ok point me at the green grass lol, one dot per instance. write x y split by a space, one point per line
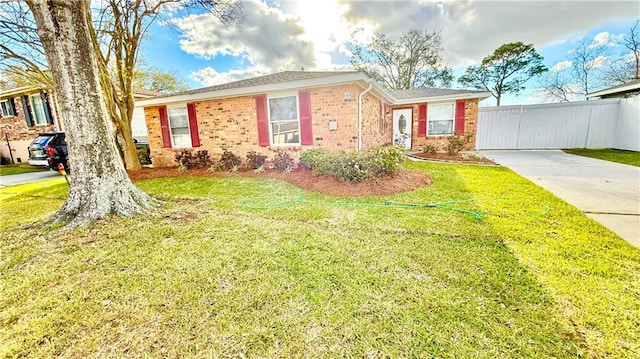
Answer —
320 277
627 157
15 169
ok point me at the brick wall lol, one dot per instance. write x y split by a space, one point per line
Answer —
19 135
470 127
230 123
376 123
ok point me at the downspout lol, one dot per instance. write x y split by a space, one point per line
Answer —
360 98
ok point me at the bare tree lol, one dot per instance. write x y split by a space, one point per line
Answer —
120 27
116 28
627 67
556 86
632 42
588 62
21 53
100 185
412 61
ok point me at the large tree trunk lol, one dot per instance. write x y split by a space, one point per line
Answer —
99 185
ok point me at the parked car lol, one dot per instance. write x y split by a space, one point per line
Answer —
48 150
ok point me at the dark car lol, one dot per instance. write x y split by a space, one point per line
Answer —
48 150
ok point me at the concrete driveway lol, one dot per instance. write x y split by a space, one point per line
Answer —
605 191
29 177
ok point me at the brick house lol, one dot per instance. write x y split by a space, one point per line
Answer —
25 112
295 110
18 127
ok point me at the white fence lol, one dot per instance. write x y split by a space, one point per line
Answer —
608 123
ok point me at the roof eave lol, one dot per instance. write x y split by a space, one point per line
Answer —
609 91
461 96
252 90
20 90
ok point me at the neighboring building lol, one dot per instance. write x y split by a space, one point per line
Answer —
629 89
25 112
295 110
18 127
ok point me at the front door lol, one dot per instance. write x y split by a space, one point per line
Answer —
402 127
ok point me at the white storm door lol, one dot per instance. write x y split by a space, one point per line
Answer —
402 124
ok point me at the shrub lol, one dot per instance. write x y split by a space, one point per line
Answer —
255 160
431 148
312 158
354 166
282 161
456 144
144 156
186 159
228 161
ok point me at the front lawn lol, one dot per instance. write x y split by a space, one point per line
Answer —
608 154
211 275
18 168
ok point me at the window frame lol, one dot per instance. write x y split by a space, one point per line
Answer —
34 110
453 118
277 96
6 105
171 135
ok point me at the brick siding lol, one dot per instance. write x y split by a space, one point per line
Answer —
470 126
230 123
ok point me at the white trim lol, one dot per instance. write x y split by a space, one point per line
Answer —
635 85
7 106
173 144
283 95
444 98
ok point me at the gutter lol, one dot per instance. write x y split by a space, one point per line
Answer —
360 98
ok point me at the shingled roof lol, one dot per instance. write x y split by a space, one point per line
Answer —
291 79
279 77
428 92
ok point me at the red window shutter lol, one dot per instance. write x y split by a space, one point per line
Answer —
193 125
422 120
306 127
459 125
164 127
263 121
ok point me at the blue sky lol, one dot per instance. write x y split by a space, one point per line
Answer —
318 35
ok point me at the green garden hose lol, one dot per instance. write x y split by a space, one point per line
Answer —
275 202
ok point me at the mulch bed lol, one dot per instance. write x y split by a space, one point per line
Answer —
404 180
457 158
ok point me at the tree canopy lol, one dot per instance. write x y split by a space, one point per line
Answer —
117 29
412 61
505 71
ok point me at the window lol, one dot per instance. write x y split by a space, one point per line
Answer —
37 106
284 120
7 108
179 127
440 119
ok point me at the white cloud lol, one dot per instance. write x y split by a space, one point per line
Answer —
289 35
208 76
601 38
599 61
561 65
474 29
267 37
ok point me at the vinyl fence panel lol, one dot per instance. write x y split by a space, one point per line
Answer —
628 131
588 124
